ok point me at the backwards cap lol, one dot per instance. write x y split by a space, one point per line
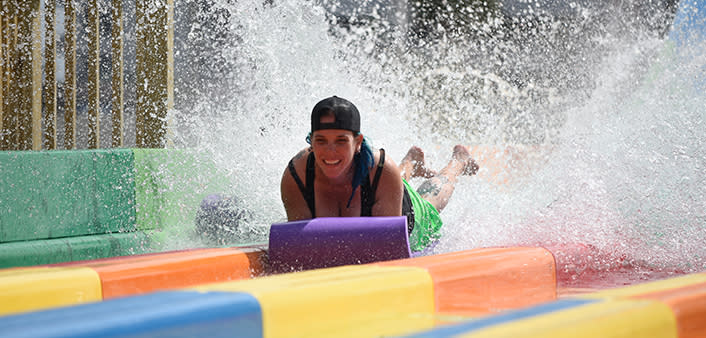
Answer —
345 115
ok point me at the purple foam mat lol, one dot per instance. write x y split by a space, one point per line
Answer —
334 241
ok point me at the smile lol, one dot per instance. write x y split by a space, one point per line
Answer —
328 162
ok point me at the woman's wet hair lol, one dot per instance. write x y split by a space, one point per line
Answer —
364 160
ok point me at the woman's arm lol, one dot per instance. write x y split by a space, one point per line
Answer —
292 199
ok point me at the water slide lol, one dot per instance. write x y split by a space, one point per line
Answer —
346 277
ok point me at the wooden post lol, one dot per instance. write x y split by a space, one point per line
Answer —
70 77
9 34
3 61
155 71
93 60
117 77
35 26
23 116
49 92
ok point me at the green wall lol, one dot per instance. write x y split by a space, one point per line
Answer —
58 206
65 193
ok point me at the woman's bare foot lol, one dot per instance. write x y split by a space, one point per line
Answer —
461 154
413 164
438 190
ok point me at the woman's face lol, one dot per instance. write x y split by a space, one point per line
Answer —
334 150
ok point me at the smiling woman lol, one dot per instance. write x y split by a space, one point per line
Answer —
339 154
333 147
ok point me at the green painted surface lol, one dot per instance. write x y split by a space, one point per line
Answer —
55 194
59 250
169 187
60 206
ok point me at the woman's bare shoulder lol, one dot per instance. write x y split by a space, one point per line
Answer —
301 156
390 164
390 168
299 162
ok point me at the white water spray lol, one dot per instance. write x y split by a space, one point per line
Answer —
608 128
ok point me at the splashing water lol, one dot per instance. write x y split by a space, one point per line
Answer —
589 130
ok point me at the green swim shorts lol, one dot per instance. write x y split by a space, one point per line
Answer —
427 222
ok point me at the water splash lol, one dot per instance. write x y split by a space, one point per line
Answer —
625 180
592 126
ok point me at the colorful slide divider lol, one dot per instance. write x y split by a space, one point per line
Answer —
673 307
498 292
397 297
41 287
160 314
481 281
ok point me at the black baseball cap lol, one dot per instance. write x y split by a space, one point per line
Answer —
346 115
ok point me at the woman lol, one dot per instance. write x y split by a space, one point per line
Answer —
340 175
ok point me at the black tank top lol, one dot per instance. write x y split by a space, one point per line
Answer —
367 191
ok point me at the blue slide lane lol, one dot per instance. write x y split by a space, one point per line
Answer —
467 327
161 314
